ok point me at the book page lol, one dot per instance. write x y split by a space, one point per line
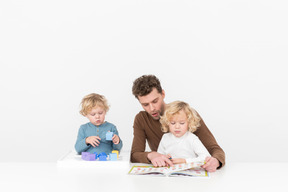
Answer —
142 170
194 172
185 166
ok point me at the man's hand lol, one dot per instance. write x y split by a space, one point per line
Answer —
93 140
211 164
159 160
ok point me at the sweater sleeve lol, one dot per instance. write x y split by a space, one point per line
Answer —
138 154
161 148
199 150
210 143
120 144
80 144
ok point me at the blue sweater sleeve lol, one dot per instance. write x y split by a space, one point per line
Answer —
80 144
120 144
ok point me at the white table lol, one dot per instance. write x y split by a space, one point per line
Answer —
235 176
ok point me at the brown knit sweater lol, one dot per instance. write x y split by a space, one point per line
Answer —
147 128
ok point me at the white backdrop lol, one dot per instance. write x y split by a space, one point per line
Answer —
226 58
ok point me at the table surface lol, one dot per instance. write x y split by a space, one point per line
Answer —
235 176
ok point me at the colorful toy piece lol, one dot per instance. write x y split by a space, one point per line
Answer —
113 157
96 155
109 136
117 152
88 156
102 156
84 155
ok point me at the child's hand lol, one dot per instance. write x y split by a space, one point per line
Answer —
93 140
178 161
115 139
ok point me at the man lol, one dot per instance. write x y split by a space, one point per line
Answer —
147 89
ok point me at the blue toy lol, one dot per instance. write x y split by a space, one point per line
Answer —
102 156
96 155
113 156
109 136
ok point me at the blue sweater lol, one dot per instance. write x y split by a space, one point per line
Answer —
89 129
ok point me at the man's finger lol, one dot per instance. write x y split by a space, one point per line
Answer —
154 163
207 164
208 159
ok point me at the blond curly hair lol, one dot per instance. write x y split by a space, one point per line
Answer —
174 108
93 100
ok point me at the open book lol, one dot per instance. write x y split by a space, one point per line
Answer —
184 169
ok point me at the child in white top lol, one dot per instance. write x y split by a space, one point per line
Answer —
180 144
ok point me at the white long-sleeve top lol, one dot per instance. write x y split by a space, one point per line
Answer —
188 147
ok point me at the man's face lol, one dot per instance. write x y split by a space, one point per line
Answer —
153 103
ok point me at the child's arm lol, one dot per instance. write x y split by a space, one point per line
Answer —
80 144
163 157
161 148
117 142
199 150
178 161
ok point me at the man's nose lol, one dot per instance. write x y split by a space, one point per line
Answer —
152 107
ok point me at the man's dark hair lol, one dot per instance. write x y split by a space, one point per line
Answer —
144 85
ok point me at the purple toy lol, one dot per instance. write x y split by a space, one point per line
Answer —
88 156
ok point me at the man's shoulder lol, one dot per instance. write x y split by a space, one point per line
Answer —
141 115
142 119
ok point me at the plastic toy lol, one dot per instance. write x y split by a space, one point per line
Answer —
109 136
113 157
96 155
102 156
88 156
117 152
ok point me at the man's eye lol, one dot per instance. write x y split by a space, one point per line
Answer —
155 101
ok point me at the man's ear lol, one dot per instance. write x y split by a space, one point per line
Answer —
163 93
